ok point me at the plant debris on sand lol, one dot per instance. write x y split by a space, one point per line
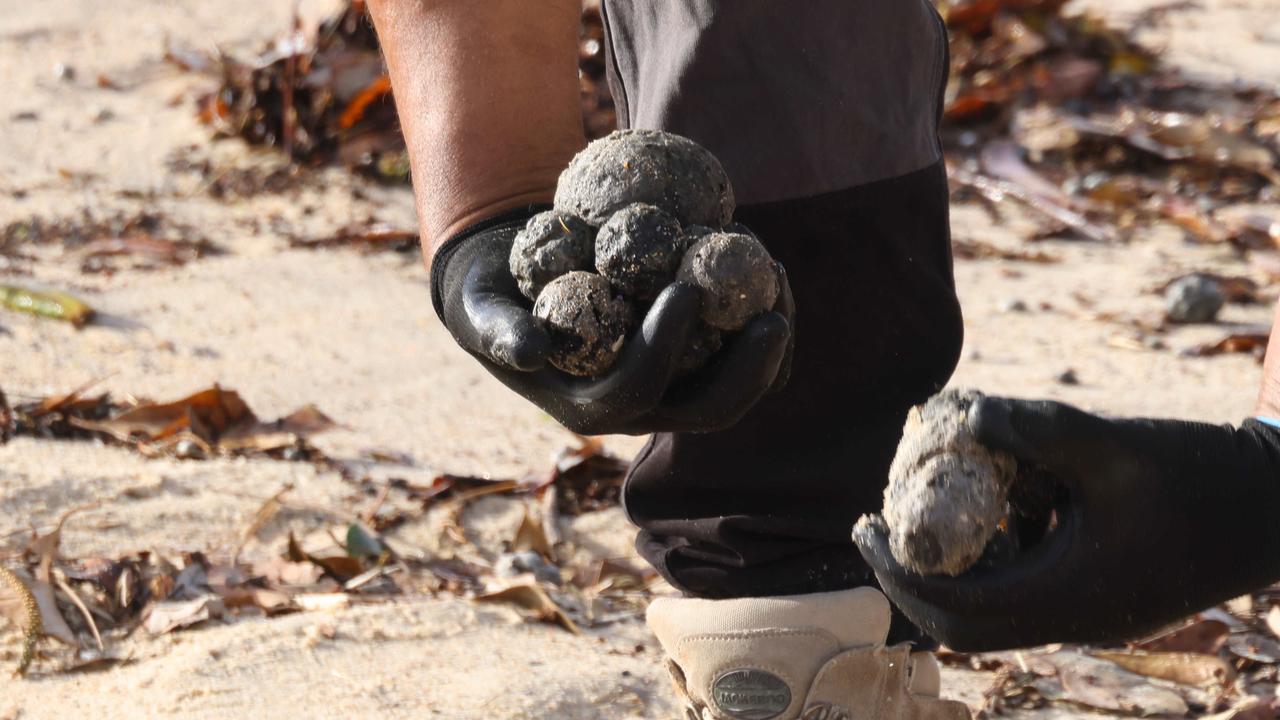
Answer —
93 605
327 98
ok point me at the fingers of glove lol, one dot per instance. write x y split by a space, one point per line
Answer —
719 395
641 375
632 388
1018 586
1051 433
504 329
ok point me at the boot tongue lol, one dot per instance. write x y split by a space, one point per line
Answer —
755 658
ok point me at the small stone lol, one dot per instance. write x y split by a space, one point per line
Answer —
1068 377
550 245
509 565
736 276
639 250
706 342
947 493
188 450
587 322
646 166
1196 298
64 72
1013 305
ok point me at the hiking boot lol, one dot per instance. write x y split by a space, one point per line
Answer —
802 657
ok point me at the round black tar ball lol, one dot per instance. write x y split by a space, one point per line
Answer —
549 246
646 166
639 249
587 322
736 276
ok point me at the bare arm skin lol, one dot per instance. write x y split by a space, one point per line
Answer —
1269 396
487 93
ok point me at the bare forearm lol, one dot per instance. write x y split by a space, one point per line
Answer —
487 94
1269 396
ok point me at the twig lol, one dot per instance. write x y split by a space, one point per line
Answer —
264 514
84 611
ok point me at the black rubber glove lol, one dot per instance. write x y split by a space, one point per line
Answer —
1161 519
479 302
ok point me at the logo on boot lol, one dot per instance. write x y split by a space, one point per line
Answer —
750 694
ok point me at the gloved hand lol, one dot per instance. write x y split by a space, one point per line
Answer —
1162 518
479 302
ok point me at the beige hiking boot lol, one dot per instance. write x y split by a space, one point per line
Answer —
804 657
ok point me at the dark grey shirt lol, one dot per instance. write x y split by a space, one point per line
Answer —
796 98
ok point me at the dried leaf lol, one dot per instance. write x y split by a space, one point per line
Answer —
55 626
339 567
1273 620
530 535
206 414
272 602
1199 636
1184 668
1102 685
530 596
170 615
212 418
1250 343
1254 646
1248 709
50 304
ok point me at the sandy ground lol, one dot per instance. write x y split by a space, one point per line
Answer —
355 334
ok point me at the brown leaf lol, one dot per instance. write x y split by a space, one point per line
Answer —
1103 685
1184 668
1198 636
530 535
172 615
339 567
530 596
282 433
206 414
272 602
213 418
1250 343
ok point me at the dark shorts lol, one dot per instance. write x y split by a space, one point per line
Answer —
825 114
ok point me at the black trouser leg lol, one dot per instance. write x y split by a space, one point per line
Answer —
825 115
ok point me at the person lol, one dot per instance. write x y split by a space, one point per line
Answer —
825 116
1162 518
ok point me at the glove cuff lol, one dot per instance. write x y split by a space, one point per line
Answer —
440 261
1268 421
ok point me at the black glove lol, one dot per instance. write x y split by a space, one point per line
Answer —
1161 519
479 302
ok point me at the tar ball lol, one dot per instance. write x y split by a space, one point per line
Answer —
646 166
947 493
549 246
1196 298
737 278
639 250
586 320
